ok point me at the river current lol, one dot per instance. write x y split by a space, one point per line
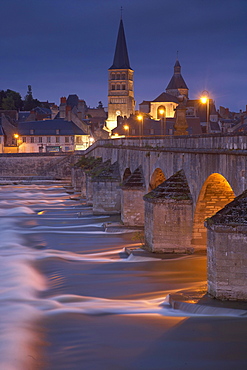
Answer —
71 298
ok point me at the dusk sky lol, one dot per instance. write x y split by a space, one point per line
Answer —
63 47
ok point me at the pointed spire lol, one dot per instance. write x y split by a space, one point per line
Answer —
177 67
177 82
121 58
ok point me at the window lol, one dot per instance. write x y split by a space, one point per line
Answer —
118 76
123 87
113 87
57 139
123 76
32 139
40 139
0 139
31 132
113 76
48 139
24 139
57 132
118 87
78 139
66 139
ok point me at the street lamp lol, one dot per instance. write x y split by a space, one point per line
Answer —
140 118
16 136
126 127
162 114
205 100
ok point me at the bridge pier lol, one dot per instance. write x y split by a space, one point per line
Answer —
168 216
106 190
132 204
227 251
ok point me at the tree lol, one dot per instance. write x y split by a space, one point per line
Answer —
29 102
10 100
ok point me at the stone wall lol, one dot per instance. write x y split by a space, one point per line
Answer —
227 262
132 207
55 165
106 197
168 226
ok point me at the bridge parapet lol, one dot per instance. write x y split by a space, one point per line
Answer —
195 142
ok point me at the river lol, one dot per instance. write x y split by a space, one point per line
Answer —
71 298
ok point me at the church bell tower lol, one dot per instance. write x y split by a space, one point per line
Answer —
120 83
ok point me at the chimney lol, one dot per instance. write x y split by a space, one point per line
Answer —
68 112
63 100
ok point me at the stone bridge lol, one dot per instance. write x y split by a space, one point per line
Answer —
212 171
215 167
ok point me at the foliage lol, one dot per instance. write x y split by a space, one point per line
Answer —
29 102
12 100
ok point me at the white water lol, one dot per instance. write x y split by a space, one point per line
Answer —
20 283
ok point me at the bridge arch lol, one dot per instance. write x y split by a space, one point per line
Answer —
156 179
215 193
126 174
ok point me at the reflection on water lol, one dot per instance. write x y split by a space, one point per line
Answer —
70 297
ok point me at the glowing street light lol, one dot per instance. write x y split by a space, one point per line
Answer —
205 100
16 137
140 118
162 114
126 127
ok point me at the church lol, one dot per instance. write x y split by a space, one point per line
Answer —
121 102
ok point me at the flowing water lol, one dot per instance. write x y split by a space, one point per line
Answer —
71 298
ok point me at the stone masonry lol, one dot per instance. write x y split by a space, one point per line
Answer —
132 205
168 216
106 190
227 251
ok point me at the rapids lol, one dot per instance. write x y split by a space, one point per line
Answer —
71 298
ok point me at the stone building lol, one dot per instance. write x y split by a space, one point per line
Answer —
120 83
166 103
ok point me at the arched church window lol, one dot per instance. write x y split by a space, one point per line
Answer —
113 87
123 76
123 87
113 76
118 87
161 112
118 76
